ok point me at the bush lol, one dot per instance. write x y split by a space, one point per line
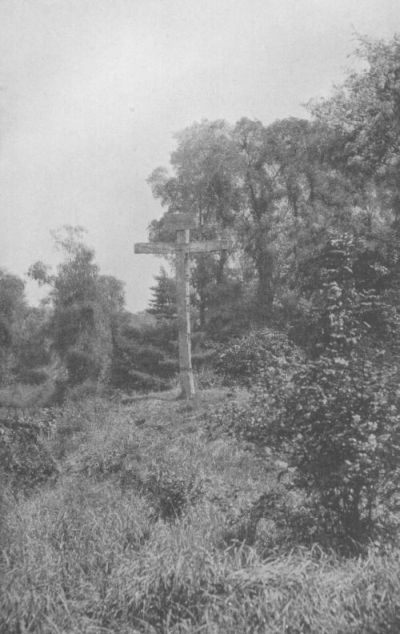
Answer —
343 424
264 361
171 489
25 460
342 417
337 423
145 358
338 415
261 355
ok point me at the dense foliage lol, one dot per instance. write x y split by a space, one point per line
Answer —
279 192
335 413
303 310
147 514
150 527
257 358
343 415
144 357
84 307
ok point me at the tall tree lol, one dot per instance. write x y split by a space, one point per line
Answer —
203 183
260 193
363 118
364 114
315 199
83 305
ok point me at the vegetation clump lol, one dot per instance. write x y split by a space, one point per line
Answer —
25 459
88 553
269 503
336 417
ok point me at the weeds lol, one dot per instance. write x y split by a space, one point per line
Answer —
151 528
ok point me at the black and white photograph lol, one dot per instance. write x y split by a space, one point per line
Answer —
200 317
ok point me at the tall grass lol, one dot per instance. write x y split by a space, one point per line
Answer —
93 553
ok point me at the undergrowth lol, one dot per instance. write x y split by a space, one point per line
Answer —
152 526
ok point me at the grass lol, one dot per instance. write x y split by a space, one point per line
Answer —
142 532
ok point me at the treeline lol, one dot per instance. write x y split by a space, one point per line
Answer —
282 191
70 335
81 337
283 194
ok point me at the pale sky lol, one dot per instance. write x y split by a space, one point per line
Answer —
92 91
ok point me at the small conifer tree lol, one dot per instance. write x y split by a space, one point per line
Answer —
163 302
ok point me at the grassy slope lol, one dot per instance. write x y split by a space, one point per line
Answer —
144 531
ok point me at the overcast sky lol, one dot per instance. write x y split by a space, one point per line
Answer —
93 90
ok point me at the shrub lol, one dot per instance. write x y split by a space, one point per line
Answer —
261 355
264 361
338 415
171 489
145 358
25 460
343 414
206 378
343 423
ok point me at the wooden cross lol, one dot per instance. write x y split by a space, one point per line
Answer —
183 248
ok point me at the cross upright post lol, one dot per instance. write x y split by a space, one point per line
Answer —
183 248
183 312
